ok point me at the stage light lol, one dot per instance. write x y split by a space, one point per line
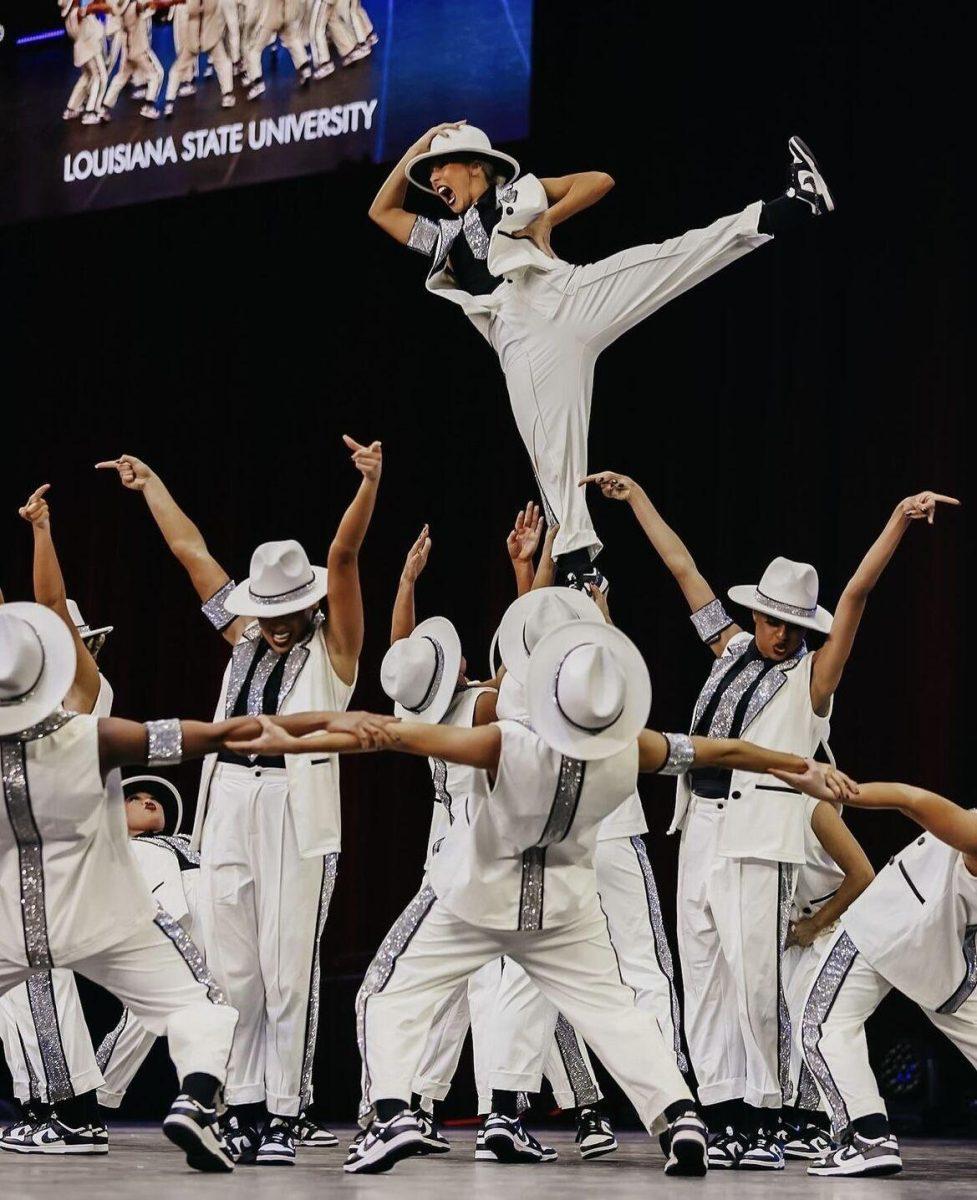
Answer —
46 36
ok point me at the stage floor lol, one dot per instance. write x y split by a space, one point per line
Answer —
143 1166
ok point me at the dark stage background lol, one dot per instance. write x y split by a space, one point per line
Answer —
782 408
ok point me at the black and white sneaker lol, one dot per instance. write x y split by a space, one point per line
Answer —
726 1149
195 1129
277 1145
52 1136
806 181
805 1142
310 1134
385 1143
583 581
688 1152
434 1140
29 1119
863 1156
354 1144
509 1141
764 1152
594 1134
242 1139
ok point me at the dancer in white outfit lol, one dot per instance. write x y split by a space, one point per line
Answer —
546 319
913 930
198 28
284 19
268 831
742 838
137 59
88 52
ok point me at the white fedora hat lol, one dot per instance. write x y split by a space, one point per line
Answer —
532 615
79 622
37 665
420 673
162 791
460 145
282 581
788 591
587 690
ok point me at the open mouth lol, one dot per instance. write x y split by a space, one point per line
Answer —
280 639
447 194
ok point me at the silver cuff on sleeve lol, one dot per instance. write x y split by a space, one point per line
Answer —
681 754
711 620
214 609
165 743
423 236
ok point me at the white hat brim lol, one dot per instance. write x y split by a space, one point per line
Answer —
57 675
547 720
505 162
746 594
441 630
511 635
159 781
243 604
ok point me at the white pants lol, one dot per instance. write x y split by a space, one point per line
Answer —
262 909
160 975
799 965
281 17
429 953
732 926
89 88
233 29
147 68
188 48
550 328
46 1040
845 992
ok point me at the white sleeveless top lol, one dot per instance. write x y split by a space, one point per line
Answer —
69 884
916 924
455 785
104 699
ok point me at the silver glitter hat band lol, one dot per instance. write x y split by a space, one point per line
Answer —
436 677
594 729
294 593
789 610
21 697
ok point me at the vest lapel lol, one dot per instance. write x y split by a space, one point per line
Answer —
770 685
720 667
241 657
297 658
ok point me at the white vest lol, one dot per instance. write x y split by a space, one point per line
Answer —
455 785
69 884
524 860
310 684
916 924
171 871
104 699
764 818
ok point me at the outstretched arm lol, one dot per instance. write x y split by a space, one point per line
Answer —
344 629
181 535
49 590
830 660
387 209
567 195
671 549
546 572
843 847
404 618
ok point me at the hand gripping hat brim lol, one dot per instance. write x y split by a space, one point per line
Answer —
57 671
460 145
164 792
242 602
512 631
551 725
444 680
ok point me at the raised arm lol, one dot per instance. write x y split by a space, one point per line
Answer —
843 847
546 571
344 629
830 660
522 544
387 209
181 535
404 618
567 195
49 590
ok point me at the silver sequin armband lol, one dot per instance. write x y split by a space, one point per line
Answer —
681 754
214 609
711 620
165 743
423 236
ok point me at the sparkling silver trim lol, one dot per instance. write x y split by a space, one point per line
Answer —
785 895
581 1083
711 620
531 889
295 593
57 720
722 718
448 230
789 610
681 754
717 673
770 685
104 1052
439 777
808 1097
17 798
663 951
44 1014
563 809
214 609
475 235
187 949
969 982
328 886
297 658
423 236
164 743
834 970
241 658
378 975
256 692
179 844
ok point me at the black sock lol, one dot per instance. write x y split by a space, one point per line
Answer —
678 1109
201 1087
755 1119
875 1125
727 1114
79 1110
390 1108
804 1117
248 1114
506 1103
784 215
37 1107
